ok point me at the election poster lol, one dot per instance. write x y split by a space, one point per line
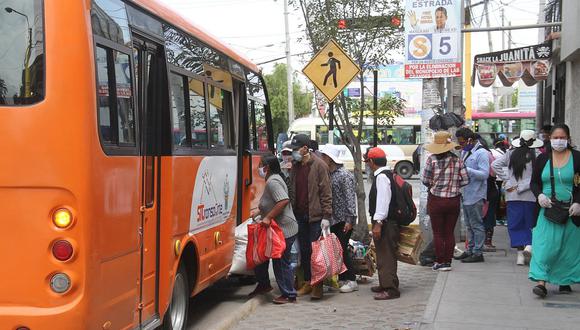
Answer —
432 38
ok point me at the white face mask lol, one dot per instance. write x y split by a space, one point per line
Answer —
297 155
262 172
558 144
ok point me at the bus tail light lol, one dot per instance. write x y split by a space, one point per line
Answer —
62 250
60 283
62 218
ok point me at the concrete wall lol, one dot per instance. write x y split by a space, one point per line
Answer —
572 108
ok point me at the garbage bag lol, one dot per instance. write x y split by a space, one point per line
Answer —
264 243
241 242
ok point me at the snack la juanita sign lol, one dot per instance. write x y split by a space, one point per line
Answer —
432 38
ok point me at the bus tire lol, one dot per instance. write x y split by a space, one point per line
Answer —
176 315
404 170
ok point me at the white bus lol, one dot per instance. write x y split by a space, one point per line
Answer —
399 140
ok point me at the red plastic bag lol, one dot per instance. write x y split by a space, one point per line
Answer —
326 260
264 243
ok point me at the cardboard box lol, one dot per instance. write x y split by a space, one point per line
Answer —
410 244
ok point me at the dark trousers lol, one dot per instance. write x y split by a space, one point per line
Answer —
387 256
338 230
444 213
308 232
283 271
490 218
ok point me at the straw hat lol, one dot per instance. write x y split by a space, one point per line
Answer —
528 135
441 143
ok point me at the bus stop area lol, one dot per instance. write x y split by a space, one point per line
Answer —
493 295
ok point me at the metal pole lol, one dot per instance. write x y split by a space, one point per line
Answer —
330 120
289 67
375 107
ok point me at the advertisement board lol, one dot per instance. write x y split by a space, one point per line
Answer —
432 38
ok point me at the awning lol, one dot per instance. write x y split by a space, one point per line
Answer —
530 64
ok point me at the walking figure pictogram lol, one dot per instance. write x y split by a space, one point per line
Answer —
332 62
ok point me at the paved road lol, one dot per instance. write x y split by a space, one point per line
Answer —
355 310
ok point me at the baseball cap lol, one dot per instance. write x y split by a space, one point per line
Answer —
299 141
374 153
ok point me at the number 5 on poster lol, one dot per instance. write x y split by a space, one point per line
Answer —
444 46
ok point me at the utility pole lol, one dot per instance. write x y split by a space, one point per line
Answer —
289 67
540 88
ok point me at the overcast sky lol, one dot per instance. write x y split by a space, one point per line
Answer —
255 28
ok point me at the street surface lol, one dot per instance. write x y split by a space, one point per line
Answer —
355 310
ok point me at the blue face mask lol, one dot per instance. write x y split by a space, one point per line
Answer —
468 147
297 155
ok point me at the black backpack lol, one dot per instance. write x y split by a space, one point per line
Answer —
402 208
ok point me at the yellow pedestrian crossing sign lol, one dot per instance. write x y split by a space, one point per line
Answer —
331 70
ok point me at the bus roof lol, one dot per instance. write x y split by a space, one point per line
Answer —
170 16
503 115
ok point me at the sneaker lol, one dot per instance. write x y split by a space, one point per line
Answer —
473 259
540 291
520 260
464 255
445 267
457 252
260 289
349 286
436 266
283 300
527 254
565 289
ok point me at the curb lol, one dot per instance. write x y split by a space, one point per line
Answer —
241 313
434 301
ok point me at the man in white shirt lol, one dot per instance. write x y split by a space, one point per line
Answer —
385 232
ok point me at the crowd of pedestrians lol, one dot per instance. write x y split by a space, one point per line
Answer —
310 192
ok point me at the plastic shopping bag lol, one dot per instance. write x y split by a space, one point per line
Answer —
241 242
326 260
264 243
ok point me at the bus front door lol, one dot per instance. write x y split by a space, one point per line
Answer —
149 65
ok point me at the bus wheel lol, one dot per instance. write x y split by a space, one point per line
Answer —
176 315
404 170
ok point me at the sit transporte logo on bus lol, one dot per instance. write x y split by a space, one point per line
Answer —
213 192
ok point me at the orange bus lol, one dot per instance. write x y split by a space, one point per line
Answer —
130 141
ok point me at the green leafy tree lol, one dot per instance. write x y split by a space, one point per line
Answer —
278 94
369 45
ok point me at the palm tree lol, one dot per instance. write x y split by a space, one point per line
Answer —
3 91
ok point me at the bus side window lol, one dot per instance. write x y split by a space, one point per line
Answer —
220 118
197 114
178 113
115 98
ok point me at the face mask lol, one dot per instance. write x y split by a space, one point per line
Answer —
262 172
559 145
297 155
287 159
468 147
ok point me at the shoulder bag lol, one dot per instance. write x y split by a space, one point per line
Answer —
558 213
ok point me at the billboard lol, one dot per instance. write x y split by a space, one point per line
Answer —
432 38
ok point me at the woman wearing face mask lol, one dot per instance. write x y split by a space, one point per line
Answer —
275 204
556 246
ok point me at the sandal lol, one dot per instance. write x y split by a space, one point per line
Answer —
540 291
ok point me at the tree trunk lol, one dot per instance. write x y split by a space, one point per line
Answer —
361 231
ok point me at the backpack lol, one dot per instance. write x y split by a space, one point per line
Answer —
402 207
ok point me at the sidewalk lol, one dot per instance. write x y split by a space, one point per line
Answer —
497 294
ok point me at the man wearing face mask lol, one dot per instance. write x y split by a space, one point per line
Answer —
311 198
476 161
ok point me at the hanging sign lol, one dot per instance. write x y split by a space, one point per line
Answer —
432 38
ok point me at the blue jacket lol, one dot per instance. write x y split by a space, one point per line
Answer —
477 164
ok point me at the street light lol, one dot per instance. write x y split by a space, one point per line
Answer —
288 66
10 10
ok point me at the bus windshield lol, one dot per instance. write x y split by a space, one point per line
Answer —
21 52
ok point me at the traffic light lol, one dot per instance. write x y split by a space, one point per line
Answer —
372 22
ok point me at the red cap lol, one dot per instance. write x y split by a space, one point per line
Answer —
375 153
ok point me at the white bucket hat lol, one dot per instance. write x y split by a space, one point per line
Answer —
527 135
331 151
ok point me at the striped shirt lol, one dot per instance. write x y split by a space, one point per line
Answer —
444 177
